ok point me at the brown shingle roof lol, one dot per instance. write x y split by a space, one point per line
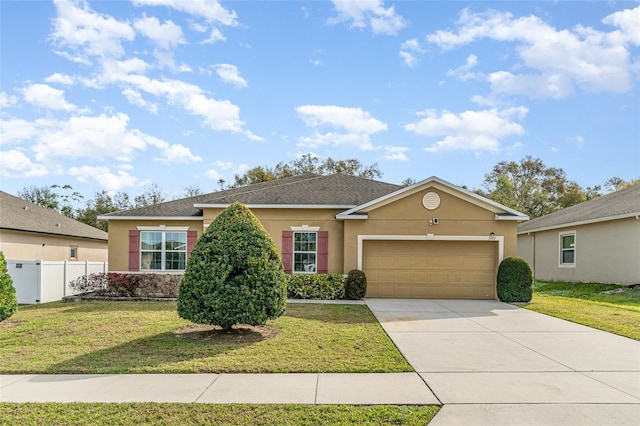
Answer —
621 203
332 190
35 218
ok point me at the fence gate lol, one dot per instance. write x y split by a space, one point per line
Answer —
39 281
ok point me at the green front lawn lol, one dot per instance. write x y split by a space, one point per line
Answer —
138 337
607 307
201 414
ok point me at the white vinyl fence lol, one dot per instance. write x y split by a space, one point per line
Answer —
39 281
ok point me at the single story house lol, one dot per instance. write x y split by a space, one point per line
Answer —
31 232
594 241
428 240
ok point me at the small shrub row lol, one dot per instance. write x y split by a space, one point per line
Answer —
129 285
312 286
8 302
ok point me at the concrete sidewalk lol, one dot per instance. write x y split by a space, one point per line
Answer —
491 363
303 388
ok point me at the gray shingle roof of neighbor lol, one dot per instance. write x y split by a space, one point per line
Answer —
20 215
309 189
623 203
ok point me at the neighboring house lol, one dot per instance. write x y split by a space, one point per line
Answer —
31 232
428 240
594 241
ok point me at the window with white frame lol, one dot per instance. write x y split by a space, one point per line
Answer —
305 250
568 249
163 250
73 253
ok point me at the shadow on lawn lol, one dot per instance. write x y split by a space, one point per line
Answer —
159 353
339 314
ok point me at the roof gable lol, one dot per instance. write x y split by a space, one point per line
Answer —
617 205
502 212
17 214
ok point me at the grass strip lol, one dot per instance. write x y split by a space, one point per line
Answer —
607 307
199 414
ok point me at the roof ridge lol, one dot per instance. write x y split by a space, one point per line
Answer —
253 187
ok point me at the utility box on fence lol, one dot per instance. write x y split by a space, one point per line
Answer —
39 281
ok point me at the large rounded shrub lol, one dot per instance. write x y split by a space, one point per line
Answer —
234 274
355 286
515 280
8 302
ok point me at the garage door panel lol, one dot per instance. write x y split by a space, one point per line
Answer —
430 269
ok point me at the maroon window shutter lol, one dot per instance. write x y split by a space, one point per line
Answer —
287 251
134 250
192 237
323 252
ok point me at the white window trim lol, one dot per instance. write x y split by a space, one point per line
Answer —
575 240
305 228
163 228
430 237
163 251
309 230
71 248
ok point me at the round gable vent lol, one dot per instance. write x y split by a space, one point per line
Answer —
431 201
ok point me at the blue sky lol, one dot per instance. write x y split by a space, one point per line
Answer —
116 95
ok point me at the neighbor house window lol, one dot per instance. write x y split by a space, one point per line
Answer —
568 249
163 250
305 250
73 253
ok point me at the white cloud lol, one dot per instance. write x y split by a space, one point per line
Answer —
397 153
356 126
223 165
7 100
88 33
475 131
111 182
555 86
177 153
409 51
15 164
211 10
463 72
627 20
554 60
577 140
57 78
230 74
45 96
135 98
368 13
165 35
213 174
215 36
15 130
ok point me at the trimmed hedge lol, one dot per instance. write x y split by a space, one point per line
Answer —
8 302
355 285
128 285
234 275
515 280
315 286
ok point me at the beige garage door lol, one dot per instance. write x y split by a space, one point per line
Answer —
431 269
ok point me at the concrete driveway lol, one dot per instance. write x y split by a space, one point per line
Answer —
491 363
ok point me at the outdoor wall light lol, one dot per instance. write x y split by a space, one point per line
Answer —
492 236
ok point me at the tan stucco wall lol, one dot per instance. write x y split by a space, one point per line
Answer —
119 238
408 216
605 252
18 245
277 220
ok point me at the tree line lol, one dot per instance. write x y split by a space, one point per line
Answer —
528 186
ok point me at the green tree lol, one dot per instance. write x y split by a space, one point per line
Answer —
306 164
234 275
616 183
8 302
54 197
191 191
530 187
101 204
152 194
